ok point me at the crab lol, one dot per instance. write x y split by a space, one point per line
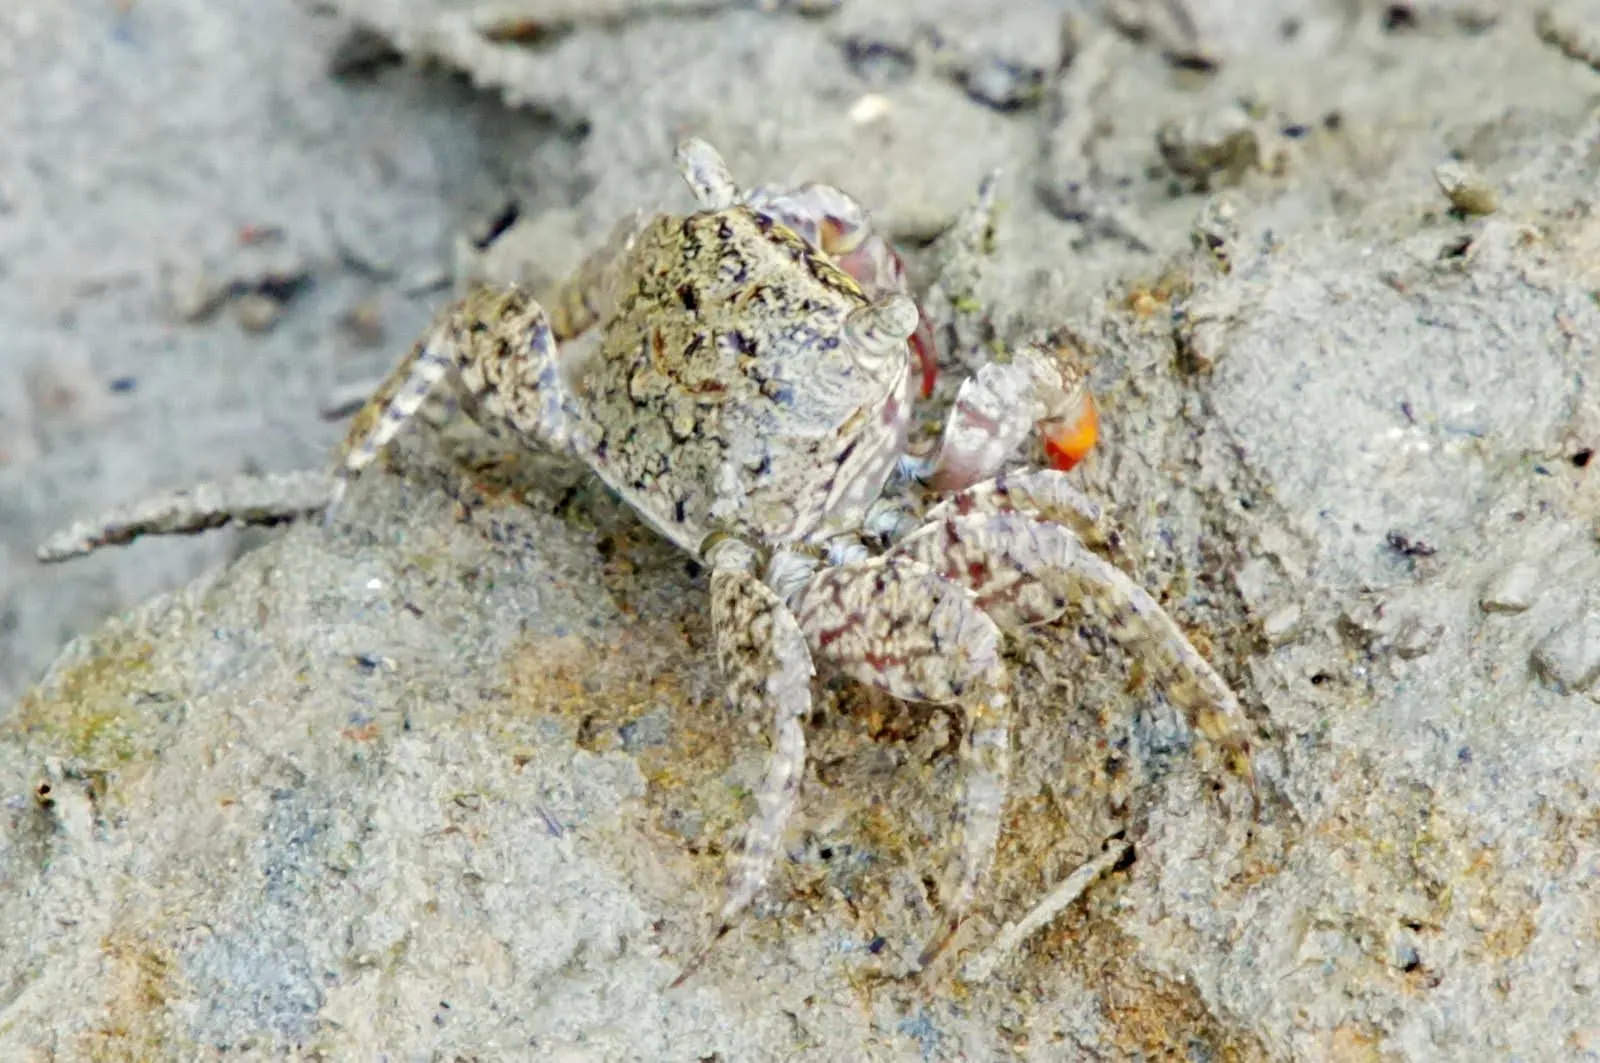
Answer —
742 377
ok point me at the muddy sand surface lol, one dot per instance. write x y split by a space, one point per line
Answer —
457 780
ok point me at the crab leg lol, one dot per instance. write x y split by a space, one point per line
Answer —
1026 572
260 500
1047 494
496 348
896 624
764 657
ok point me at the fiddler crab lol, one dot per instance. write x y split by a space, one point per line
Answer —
743 377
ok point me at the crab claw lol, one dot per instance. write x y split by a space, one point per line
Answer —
998 407
1067 441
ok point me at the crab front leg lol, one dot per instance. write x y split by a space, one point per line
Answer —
896 624
497 351
1026 571
763 656
1001 402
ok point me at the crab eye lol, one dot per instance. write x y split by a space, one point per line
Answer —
879 330
840 239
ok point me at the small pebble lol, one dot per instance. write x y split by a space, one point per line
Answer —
1002 84
1211 144
1568 658
1364 622
363 322
1281 625
195 294
1466 189
1512 591
869 108
1416 638
256 312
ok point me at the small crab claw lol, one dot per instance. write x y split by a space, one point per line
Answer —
706 175
997 408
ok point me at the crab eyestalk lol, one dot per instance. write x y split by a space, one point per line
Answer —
870 260
880 331
706 175
839 227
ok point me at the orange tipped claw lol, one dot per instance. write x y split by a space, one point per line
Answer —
1066 442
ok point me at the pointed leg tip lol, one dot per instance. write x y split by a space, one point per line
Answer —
701 955
937 945
341 483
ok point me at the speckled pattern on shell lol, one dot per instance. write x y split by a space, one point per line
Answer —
728 393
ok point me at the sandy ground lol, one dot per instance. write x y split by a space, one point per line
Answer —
467 784
147 146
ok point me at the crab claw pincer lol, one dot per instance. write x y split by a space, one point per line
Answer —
1004 401
1067 442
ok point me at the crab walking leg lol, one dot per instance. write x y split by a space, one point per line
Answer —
1025 572
260 500
584 298
768 668
1044 493
1000 405
894 623
497 349
1043 914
